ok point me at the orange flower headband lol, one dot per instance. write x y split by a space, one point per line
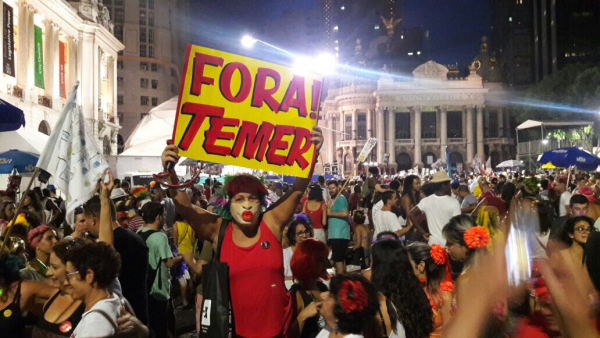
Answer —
439 255
476 237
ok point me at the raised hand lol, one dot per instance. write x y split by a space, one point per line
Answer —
170 154
317 137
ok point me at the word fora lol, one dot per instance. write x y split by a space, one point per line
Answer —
258 142
295 96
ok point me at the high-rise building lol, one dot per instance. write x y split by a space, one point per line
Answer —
155 34
535 38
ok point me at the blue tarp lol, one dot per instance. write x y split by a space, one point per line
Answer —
571 156
11 117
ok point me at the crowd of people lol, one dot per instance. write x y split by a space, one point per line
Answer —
369 256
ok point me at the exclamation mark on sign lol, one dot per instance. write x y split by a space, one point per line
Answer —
316 95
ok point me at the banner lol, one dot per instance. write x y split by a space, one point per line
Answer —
245 112
72 157
39 58
8 47
366 150
61 69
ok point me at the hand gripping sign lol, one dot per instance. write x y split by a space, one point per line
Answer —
245 112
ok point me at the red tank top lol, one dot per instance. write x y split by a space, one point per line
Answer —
316 216
261 303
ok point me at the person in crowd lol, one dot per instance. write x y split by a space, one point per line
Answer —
507 193
90 269
411 196
324 189
404 308
276 192
18 296
339 229
126 187
31 203
388 221
131 248
592 258
195 260
183 237
469 202
41 240
348 307
160 307
565 197
578 206
575 234
361 239
430 266
79 227
8 211
61 313
354 200
167 202
316 209
491 199
141 197
252 242
438 208
299 230
309 266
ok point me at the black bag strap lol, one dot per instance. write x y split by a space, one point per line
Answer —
222 231
154 272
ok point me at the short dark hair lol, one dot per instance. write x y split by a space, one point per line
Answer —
544 183
388 195
463 188
330 182
321 179
374 170
150 211
315 193
570 228
394 185
46 192
358 217
578 199
92 208
298 219
99 257
117 181
125 184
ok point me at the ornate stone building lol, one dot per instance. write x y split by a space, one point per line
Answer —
52 44
415 119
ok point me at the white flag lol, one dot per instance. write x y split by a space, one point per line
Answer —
72 157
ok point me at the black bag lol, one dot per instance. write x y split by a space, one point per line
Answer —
152 273
217 316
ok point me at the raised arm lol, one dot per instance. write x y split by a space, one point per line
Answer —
202 221
412 216
281 211
105 232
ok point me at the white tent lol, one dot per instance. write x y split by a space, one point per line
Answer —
23 139
535 124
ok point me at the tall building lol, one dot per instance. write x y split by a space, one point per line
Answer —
535 38
49 46
155 34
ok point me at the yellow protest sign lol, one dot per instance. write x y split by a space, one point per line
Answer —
241 111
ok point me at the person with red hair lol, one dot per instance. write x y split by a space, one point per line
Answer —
251 245
309 266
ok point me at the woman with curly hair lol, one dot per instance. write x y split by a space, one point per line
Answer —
411 196
17 296
430 266
309 266
575 234
348 307
404 308
90 270
299 230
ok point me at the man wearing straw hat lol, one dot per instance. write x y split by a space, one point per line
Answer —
438 208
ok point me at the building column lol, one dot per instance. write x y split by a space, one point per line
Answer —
88 57
480 148
331 138
443 131
112 84
30 91
369 123
469 132
391 146
56 103
380 135
354 121
48 59
500 122
342 127
417 153
23 45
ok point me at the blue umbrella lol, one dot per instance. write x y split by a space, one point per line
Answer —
571 156
23 161
11 117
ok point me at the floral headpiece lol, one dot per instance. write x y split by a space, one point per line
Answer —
476 237
353 296
439 255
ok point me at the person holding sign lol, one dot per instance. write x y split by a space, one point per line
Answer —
251 246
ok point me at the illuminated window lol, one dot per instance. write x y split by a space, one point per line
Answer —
335 28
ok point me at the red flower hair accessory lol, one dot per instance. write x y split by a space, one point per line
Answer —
438 254
447 286
353 296
476 237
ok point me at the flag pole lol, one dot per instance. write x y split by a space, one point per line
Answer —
14 219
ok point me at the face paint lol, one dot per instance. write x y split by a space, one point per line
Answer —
245 208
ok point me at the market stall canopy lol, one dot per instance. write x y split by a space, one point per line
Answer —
548 165
28 140
11 117
23 161
510 164
150 135
552 124
571 156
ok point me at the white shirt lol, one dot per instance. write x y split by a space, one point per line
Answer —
376 212
325 334
565 197
472 186
287 258
388 221
94 324
439 210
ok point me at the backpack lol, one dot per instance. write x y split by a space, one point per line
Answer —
152 273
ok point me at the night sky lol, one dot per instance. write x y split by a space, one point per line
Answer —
455 26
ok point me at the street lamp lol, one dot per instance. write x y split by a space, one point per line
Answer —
248 41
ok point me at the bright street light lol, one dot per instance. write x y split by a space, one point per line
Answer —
248 41
545 141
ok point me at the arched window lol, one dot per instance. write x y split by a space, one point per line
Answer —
44 127
495 158
429 159
404 161
455 158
